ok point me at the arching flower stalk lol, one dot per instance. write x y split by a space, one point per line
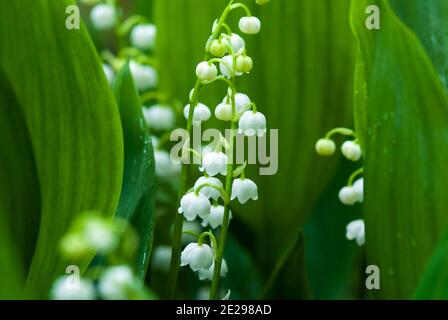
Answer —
225 59
353 192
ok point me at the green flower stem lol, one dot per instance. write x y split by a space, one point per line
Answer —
179 219
243 6
354 175
225 223
343 131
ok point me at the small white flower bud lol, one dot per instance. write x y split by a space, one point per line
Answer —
206 71
207 274
159 117
109 72
227 68
356 231
236 42
325 147
216 217
65 288
165 167
351 150
214 163
103 16
201 112
115 283
244 189
143 36
244 64
250 25
209 192
217 48
223 112
252 123
100 236
197 256
241 102
161 258
348 196
145 77
358 186
193 205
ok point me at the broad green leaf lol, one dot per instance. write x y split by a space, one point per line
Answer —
332 260
137 198
72 120
288 279
434 281
402 116
302 81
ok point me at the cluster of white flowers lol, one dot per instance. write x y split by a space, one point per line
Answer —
353 192
208 199
115 283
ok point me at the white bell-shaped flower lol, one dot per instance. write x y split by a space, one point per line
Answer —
244 189
358 186
165 167
161 258
250 25
227 68
236 42
99 235
193 205
356 231
223 112
216 217
244 64
145 77
325 147
109 72
143 36
207 274
103 16
206 71
214 163
69 288
252 123
348 195
201 112
209 192
115 283
351 150
241 101
159 117
197 256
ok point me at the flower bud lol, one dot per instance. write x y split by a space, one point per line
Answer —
193 205
223 112
358 186
236 42
252 123
351 150
103 16
227 68
244 64
244 189
145 77
217 48
201 112
356 231
206 71
348 195
143 36
325 147
159 117
214 163
250 25
197 256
